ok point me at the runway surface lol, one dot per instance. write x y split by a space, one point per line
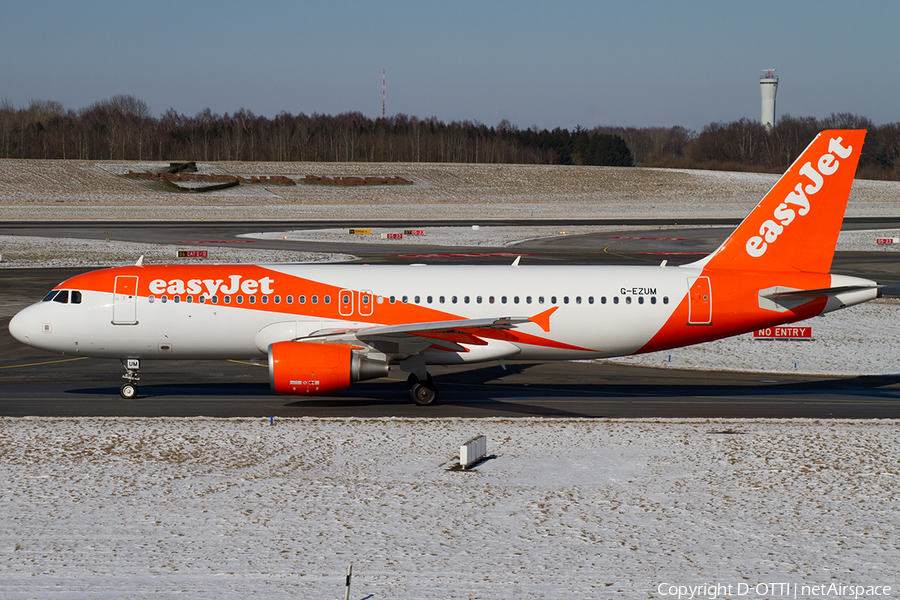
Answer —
34 383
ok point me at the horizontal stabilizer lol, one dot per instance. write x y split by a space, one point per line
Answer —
819 293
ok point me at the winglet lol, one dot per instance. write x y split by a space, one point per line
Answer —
516 262
542 320
140 261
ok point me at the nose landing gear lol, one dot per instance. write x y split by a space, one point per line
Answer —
129 390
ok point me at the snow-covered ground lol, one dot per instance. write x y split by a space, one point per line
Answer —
201 508
87 190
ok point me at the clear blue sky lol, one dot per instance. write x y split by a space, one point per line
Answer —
550 64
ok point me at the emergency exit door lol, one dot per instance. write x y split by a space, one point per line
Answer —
699 301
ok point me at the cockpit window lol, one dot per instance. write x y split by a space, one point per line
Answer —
62 296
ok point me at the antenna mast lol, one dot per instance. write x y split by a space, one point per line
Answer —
382 93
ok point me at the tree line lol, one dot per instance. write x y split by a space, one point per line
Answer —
123 128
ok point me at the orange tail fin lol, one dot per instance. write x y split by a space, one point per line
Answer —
795 227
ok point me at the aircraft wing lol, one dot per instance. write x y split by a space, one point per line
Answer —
411 338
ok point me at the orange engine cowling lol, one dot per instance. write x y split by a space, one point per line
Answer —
307 369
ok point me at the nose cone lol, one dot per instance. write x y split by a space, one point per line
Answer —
21 327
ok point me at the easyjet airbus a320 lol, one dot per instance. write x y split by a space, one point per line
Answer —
323 327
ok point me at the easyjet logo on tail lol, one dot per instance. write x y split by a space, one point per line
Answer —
797 202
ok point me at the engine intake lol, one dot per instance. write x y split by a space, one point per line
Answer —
308 369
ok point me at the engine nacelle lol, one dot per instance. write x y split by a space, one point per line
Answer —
307 369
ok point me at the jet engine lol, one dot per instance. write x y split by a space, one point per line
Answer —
308 369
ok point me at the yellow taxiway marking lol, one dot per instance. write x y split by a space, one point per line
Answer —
608 251
51 362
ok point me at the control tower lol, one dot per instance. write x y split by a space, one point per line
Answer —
768 85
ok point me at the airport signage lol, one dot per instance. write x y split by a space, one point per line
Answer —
193 253
392 236
414 231
784 332
359 231
887 240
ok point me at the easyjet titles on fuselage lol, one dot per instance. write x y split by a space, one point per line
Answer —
783 213
235 284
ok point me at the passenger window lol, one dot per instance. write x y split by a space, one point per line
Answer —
515 299
627 299
540 299
265 299
418 300
76 297
602 299
565 300
441 300
164 299
652 299
577 299
290 299
429 299
227 299
189 299
239 299
277 299
665 299
202 299
503 299
478 300
327 299
176 299
392 299
616 300
590 299
365 299
640 299
552 299
314 299
215 299
302 299
380 300
345 299
405 300
251 299
466 299
151 298
62 297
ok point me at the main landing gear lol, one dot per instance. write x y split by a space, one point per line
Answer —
422 393
129 389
